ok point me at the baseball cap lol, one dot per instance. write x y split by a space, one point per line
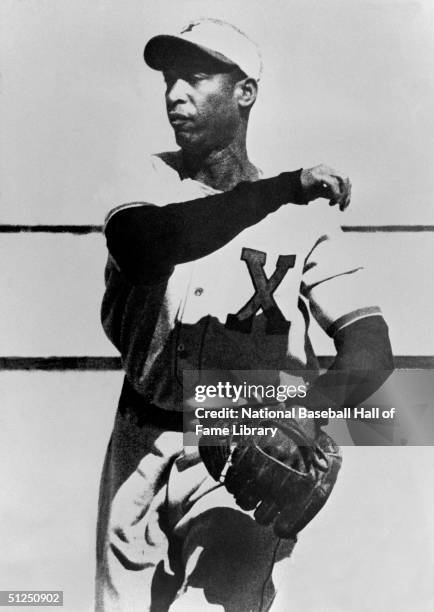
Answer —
212 37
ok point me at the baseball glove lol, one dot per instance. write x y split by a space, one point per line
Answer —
286 478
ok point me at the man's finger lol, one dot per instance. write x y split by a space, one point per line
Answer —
332 190
343 192
347 199
337 186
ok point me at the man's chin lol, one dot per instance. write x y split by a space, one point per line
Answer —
185 140
192 143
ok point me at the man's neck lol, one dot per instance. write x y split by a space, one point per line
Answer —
222 169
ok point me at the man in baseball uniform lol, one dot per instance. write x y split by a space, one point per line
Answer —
217 269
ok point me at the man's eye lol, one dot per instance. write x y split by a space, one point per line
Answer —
190 77
197 76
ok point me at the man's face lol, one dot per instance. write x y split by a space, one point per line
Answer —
201 105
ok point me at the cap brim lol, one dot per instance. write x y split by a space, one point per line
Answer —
162 51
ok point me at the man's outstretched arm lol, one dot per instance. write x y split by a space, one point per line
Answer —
147 241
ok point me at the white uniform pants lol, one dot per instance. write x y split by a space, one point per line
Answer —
170 538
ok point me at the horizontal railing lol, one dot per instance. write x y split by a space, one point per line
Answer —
7 228
95 363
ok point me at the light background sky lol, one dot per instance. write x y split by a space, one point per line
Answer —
348 83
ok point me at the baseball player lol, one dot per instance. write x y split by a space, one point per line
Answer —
216 270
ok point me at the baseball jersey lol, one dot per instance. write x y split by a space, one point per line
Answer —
246 306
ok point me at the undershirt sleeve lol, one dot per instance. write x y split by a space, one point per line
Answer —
363 363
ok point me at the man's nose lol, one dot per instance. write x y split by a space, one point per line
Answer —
176 91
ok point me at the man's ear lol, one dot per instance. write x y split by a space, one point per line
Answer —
247 90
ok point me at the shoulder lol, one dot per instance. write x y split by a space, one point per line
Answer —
162 183
163 170
158 184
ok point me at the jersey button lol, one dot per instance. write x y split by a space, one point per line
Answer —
181 350
198 291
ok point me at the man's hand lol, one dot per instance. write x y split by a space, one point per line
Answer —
324 182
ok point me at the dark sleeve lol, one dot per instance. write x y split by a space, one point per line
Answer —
363 363
146 241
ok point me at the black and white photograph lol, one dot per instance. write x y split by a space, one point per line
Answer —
216 330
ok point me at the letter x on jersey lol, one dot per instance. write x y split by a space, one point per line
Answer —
263 297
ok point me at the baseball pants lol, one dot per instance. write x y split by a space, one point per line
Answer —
170 538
